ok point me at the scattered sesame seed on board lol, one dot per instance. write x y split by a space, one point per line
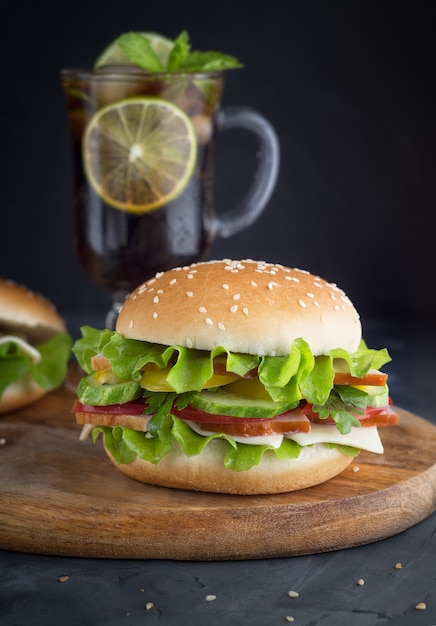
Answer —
63 579
149 606
421 606
360 582
293 594
210 597
398 566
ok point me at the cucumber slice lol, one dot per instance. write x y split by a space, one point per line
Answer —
92 392
223 402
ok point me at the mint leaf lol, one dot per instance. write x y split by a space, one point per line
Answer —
209 62
179 52
138 50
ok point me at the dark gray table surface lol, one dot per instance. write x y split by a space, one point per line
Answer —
33 590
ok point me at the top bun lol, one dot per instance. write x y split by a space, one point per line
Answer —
27 313
246 306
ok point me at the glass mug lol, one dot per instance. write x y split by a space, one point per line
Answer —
121 245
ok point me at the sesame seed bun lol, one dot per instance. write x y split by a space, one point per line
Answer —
247 306
33 318
23 311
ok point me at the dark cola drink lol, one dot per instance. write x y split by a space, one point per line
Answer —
119 249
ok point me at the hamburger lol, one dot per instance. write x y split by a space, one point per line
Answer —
237 377
34 346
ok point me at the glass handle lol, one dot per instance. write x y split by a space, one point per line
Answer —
252 205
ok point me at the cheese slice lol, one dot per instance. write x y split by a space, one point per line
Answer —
365 437
275 441
25 347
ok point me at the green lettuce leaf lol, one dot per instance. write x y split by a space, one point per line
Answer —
125 444
51 370
286 378
13 364
48 373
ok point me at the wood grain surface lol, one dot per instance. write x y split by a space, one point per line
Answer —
61 496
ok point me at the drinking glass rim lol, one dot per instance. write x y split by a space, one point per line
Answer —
134 74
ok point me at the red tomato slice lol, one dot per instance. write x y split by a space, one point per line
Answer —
136 407
289 422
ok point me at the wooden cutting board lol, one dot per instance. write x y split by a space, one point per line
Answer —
61 496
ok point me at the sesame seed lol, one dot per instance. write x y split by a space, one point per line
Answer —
189 343
398 566
156 299
245 310
332 296
131 324
421 606
159 274
233 308
310 295
356 468
302 303
208 321
253 284
337 307
293 594
151 281
360 581
210 597
221 326
189 294
323 319
190 276
173 281
202 309
272 284
316 303
225 286
155 315
289 618
236 296
149 606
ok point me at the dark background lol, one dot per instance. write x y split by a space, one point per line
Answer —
349 88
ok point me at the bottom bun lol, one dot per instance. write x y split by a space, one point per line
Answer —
206 472
20 394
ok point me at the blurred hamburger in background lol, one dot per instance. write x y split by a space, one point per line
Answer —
34 346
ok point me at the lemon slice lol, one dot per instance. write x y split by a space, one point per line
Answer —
113 55
139 153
